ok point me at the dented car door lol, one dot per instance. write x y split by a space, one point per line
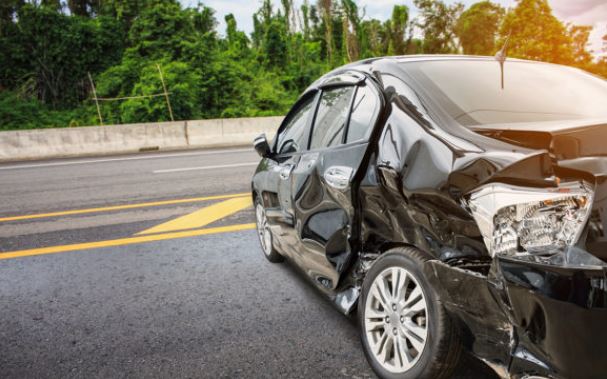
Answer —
323 185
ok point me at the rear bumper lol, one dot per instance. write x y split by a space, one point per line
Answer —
559 317
527 319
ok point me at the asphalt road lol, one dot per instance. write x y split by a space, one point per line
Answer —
105 273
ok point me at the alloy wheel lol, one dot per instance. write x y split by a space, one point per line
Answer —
395 319
263 230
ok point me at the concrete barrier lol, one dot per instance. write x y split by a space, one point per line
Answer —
131 138
230 131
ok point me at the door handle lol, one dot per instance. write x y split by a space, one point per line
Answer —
338 176
285 171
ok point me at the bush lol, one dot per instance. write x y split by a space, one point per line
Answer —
17 113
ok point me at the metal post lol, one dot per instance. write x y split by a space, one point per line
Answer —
166 94
96 100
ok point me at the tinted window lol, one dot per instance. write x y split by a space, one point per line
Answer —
470 91
364 112
292 138
331 118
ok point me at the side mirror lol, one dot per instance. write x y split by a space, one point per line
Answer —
262 146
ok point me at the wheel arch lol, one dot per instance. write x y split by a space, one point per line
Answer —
389 245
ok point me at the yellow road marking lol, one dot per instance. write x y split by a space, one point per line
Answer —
124 241
202 217
121 207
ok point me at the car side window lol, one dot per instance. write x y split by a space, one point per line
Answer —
292 138
364 112
331 117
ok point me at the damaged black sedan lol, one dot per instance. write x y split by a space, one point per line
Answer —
457 203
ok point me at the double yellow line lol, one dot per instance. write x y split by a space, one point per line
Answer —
120 207
170 230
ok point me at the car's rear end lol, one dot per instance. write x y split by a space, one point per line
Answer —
543 228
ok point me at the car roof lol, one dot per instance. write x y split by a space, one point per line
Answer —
432 57
365 65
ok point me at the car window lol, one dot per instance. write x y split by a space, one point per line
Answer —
364 111
331 117
471 91
292 138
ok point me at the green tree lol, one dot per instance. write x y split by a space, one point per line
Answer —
326 11
183 84
123 10
50 4
477 28
350 30
579 35
398 27
536 34
186 45
271 36
237 40
8 12
275 44
49 54
374 39
161 30
438 23
84 8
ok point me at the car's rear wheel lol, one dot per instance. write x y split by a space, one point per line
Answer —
265 234
405 331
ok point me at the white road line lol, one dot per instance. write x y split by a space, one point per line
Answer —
205 167
155 156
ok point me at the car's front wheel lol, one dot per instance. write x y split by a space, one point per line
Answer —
405 331
265 234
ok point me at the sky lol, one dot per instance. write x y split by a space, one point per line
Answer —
580 12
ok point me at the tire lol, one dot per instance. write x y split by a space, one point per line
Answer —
266 240
427 341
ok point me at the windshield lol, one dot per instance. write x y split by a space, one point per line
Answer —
470 91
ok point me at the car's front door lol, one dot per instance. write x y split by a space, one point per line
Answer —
291 141
322 183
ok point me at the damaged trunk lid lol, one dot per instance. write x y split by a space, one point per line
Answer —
565 140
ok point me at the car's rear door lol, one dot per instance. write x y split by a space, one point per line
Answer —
323 183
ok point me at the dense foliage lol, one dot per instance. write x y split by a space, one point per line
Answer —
48 48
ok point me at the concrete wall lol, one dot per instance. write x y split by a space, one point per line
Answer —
129 138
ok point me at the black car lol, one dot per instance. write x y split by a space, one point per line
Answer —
457 203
